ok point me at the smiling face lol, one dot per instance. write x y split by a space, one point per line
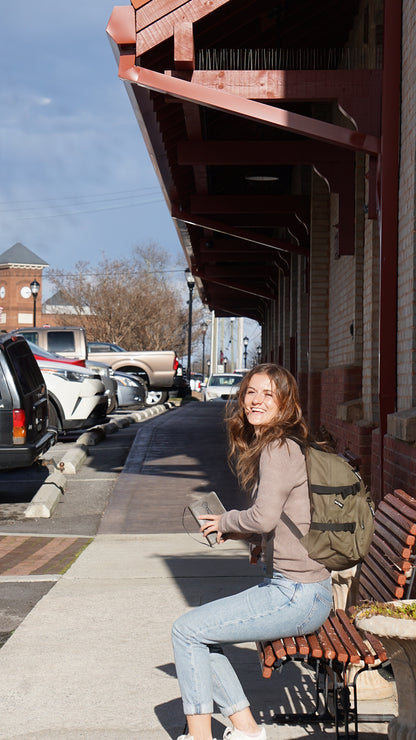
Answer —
260 402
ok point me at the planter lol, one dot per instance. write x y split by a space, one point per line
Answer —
399 638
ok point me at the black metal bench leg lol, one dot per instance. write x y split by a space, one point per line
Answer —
315 716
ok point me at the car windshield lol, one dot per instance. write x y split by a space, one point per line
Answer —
223 380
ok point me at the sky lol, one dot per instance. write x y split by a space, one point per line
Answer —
76 178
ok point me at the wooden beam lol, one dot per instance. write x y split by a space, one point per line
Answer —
252 153
249 287
250 236
248 203
162 27
358 92
184 48
250 109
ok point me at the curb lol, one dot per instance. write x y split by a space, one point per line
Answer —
50 493
48 496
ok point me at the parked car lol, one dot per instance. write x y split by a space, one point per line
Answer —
157 368
67 341
131 391
24 432
99 368
181 386
106 374
196 381
76 395
221 386
42 354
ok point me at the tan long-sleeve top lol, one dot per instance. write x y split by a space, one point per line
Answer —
282 486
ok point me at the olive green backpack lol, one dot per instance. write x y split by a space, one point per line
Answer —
342 512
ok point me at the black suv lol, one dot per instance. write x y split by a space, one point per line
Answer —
24 432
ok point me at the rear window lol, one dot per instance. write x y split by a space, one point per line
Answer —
98 347
31 336
61 341
24 367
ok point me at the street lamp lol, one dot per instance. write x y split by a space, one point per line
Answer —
245 342
204 327
258 354
35 288
191 284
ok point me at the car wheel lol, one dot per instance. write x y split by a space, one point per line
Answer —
155 397
54 418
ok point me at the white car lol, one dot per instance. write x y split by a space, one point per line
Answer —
221 386
76 395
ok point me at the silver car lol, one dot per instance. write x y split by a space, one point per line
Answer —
221 386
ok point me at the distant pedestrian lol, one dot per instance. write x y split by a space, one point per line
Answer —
297 598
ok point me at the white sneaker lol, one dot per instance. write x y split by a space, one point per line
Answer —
188 737
232 733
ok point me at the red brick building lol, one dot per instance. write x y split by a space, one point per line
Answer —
283 137
19 267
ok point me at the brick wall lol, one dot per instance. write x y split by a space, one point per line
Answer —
406 336
340 385
341 299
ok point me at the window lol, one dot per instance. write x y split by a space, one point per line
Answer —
24 367
61 341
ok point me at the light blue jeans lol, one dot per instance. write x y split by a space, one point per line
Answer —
278 607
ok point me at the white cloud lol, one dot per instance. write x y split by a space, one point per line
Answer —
43 101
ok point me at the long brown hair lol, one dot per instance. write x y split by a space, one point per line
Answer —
247 443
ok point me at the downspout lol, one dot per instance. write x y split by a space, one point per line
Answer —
388 217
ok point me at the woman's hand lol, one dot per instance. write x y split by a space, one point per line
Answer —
209 523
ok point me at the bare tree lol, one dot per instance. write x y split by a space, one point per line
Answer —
133 301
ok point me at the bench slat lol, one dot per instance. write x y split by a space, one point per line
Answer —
302 645
325 642
406 513
290 645
341 652
355 636
279 649
392 548
353 655
391 528
404 497
377 646
384 571
266 670
314 645
369 590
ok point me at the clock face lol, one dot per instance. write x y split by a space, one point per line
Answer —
2 291
25 292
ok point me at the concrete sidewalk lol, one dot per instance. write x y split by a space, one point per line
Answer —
93 659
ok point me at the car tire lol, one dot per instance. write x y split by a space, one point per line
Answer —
155 397
54 418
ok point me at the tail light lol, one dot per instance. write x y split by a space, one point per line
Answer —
175 364
19 426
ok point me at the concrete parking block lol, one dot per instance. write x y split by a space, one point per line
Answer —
48 496
73 459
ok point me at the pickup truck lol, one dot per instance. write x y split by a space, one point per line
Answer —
157 368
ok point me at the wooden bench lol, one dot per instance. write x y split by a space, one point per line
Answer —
387 573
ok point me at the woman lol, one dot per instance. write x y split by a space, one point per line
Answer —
296 599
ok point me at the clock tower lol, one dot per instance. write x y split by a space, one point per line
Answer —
19 267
